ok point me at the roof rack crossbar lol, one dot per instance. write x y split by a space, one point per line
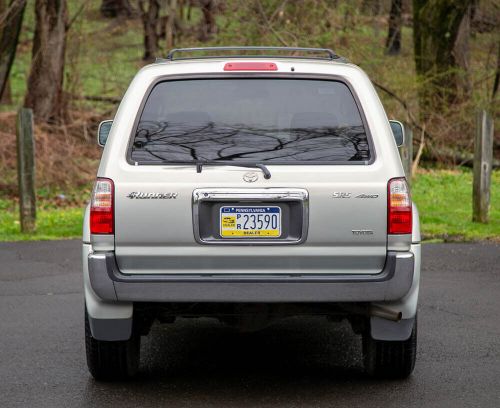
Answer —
330 54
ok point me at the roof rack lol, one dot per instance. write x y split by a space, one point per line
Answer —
328 53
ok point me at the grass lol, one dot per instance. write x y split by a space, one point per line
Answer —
59 215
443 198
51 224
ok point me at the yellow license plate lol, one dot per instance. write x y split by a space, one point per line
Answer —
250 222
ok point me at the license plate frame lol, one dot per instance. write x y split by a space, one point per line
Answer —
230 216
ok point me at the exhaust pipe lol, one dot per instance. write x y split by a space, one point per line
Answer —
385 313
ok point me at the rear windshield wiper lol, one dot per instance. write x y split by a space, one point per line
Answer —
265 170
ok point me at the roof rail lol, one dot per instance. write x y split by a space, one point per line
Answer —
329 54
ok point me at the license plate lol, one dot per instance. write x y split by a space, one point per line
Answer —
248 222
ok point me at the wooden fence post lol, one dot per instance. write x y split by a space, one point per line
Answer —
483 159
26 169
406 152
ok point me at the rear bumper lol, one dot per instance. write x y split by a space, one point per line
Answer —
391 284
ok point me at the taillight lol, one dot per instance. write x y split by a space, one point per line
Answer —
101 207
399 219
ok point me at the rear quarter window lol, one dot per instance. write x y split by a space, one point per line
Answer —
278 121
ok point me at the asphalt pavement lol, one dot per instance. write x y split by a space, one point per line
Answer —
299 362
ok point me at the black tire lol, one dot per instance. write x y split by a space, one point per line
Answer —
111 360
390 359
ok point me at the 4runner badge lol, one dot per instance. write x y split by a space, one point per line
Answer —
152 196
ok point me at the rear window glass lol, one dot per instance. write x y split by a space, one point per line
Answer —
250 120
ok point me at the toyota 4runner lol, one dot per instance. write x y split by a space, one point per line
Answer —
250 188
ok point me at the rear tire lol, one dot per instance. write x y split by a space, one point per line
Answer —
390 359
111 360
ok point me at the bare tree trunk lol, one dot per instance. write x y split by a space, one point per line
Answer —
181 6
45 83
436 26
6 97
170 24
461 53
189 10
150 15
11 19
393 42
497 76
116 8
371 7
208 23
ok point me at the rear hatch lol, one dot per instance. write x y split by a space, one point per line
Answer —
195 197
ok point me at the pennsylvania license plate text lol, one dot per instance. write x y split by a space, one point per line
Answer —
250 222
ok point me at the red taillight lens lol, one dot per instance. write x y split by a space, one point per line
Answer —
101 207
250 66
399 219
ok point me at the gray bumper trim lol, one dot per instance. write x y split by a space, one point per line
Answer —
391 284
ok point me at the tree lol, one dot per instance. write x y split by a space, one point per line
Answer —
208 23
496 82
393 42
461 51
11 19
371 7
6 96
45 82
116 8
436 27
150 15
171 21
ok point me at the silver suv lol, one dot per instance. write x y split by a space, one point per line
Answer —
250 188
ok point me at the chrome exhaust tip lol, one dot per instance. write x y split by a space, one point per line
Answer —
385 313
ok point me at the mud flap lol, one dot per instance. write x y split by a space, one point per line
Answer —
110 329
388 330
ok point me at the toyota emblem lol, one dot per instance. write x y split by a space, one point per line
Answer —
250 177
